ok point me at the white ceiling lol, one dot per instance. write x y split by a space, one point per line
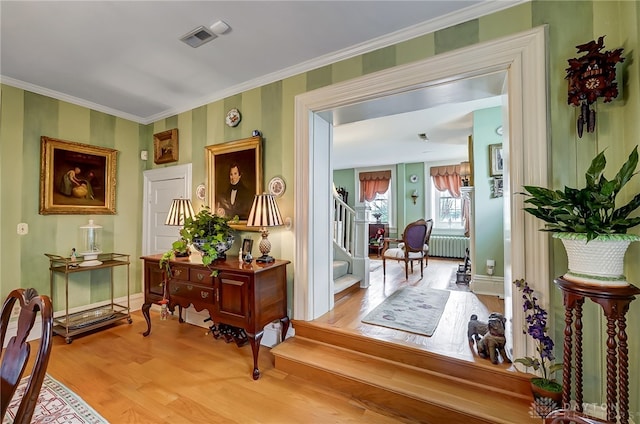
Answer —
125 58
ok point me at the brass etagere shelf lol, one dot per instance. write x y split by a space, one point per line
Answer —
71 324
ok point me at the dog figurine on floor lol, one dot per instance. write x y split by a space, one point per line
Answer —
476 329
493 341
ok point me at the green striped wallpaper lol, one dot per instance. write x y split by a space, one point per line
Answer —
26 116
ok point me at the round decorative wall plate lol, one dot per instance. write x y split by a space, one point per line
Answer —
200 191
413 178
277 186
233 117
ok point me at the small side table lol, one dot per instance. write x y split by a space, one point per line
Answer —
376 243
615 305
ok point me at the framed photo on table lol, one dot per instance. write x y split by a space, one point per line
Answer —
76 178
234 178
496 160
247 245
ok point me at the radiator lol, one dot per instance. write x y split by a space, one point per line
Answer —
448 246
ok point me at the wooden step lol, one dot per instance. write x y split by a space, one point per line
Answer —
345 282
408 391
501 377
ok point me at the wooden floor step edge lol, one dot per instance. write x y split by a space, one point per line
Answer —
446 394
311 348
409 355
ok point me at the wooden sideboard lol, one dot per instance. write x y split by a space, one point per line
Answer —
247 296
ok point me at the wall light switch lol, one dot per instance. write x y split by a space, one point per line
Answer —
144 155
23 228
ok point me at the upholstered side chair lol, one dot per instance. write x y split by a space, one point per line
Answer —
16 355
413 246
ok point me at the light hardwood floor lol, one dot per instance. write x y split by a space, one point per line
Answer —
181 375
450 337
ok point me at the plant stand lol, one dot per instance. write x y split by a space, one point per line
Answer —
615 305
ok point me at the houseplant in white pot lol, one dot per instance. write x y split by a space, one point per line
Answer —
592 229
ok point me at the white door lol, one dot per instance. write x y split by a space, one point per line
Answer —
161 186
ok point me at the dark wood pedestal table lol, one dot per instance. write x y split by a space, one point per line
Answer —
615 305
241 295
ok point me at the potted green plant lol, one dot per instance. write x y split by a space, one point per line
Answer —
208 233
547 393
589 224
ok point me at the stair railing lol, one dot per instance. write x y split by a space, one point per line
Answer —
343 224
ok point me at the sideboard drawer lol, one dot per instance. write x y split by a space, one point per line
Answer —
195 293
180 272
201 276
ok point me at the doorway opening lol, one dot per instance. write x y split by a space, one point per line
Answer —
522 56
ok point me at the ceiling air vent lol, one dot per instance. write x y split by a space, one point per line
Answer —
198 37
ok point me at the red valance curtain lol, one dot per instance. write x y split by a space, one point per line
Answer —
447 178
372 183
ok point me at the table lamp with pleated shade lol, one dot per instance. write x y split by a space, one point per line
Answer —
264 214
180 210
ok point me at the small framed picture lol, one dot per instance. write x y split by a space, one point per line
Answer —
496 161
247 245
165 146
496 187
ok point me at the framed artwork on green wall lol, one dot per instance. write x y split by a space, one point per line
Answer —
234 177
496 161
76 178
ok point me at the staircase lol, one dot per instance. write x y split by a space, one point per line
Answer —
343 249
343 281
413 384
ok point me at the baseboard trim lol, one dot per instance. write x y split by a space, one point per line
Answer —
487 285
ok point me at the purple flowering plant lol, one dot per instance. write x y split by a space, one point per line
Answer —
536 327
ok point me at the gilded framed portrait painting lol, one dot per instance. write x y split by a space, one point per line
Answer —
234 173
76 178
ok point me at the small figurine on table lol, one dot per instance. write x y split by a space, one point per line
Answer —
74 258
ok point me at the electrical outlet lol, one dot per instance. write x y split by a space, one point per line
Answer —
23 228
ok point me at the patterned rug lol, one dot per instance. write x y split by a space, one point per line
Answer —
56 404
412 309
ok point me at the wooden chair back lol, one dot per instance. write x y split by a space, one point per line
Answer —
414 236
16 355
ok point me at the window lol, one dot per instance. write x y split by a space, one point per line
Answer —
383 202
379 208
447 210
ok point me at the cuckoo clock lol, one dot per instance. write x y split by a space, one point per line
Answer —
592 76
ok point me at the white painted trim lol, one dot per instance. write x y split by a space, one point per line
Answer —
472 12
487 285
523 56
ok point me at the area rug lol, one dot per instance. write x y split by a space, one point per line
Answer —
56 404
412 309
